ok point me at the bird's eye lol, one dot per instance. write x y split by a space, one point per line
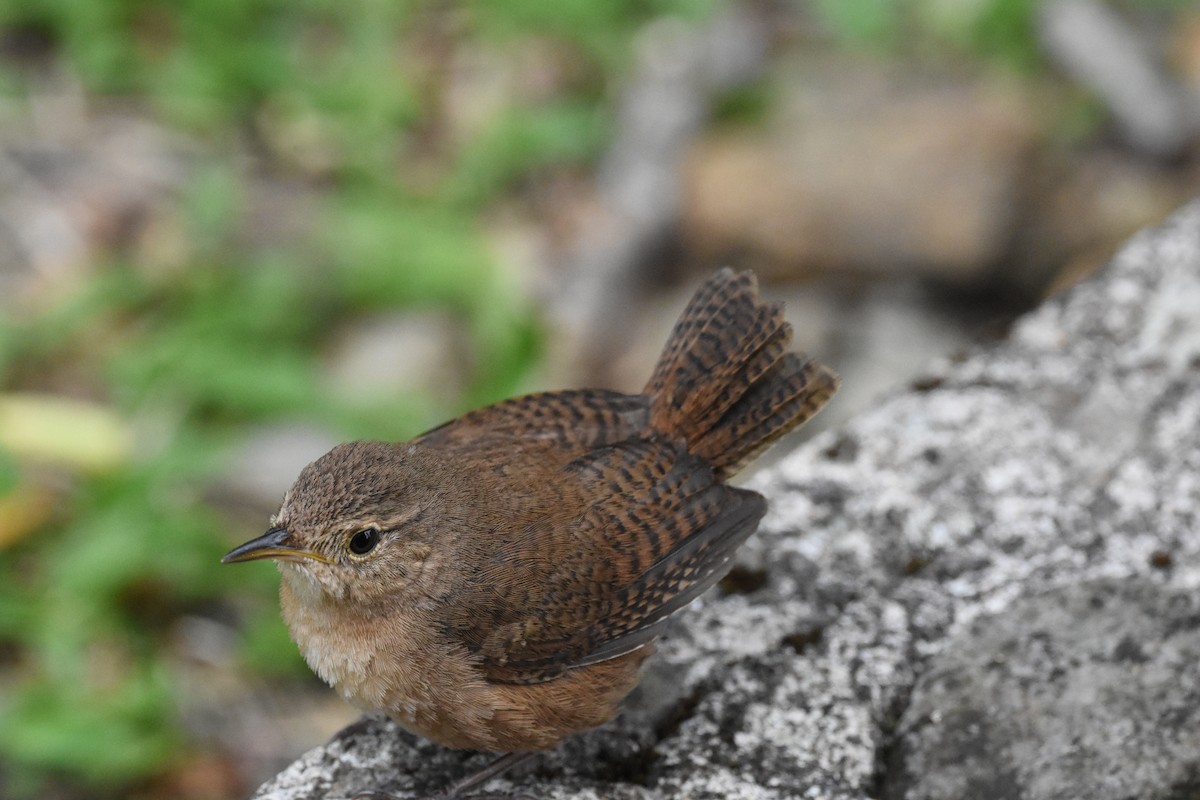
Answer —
364 541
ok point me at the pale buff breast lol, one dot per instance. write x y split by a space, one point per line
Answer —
393 664
397 665
336 646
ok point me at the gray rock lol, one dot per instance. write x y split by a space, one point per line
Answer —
1104 53
73 183
1080 676
388 355
679 70
984 587
267 460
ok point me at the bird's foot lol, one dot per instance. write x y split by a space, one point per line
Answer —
458 789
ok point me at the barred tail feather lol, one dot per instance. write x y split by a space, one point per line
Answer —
726 382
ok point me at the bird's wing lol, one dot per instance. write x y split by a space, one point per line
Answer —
653 530
576 421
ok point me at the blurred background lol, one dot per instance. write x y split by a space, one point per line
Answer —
236 232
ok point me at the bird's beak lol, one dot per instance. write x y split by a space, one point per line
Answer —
275 543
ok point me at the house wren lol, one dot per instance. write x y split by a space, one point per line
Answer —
496 583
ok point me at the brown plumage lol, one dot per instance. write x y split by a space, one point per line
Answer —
518 562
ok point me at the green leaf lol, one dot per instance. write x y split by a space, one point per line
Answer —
108 735
10 471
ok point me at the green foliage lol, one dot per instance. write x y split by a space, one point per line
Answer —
601 30
388 250
743 105
522 140
223 341
10 472
188 354
859 22
102 735
89 602
999 31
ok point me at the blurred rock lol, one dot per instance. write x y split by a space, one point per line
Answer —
1108 56
410 352
277 211
866 172
74 184
879 337
1081 208
262 721
267 460
637 201
1184 49
1022 521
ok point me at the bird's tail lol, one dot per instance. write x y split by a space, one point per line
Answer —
726 382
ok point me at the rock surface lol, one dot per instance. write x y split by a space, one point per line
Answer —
986 587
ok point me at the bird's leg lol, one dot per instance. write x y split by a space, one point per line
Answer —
455 790
497 767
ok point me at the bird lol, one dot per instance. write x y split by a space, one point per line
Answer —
498 582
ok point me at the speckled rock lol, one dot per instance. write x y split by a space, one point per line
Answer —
1091 689
986 587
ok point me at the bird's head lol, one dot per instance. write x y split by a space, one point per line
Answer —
350 527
